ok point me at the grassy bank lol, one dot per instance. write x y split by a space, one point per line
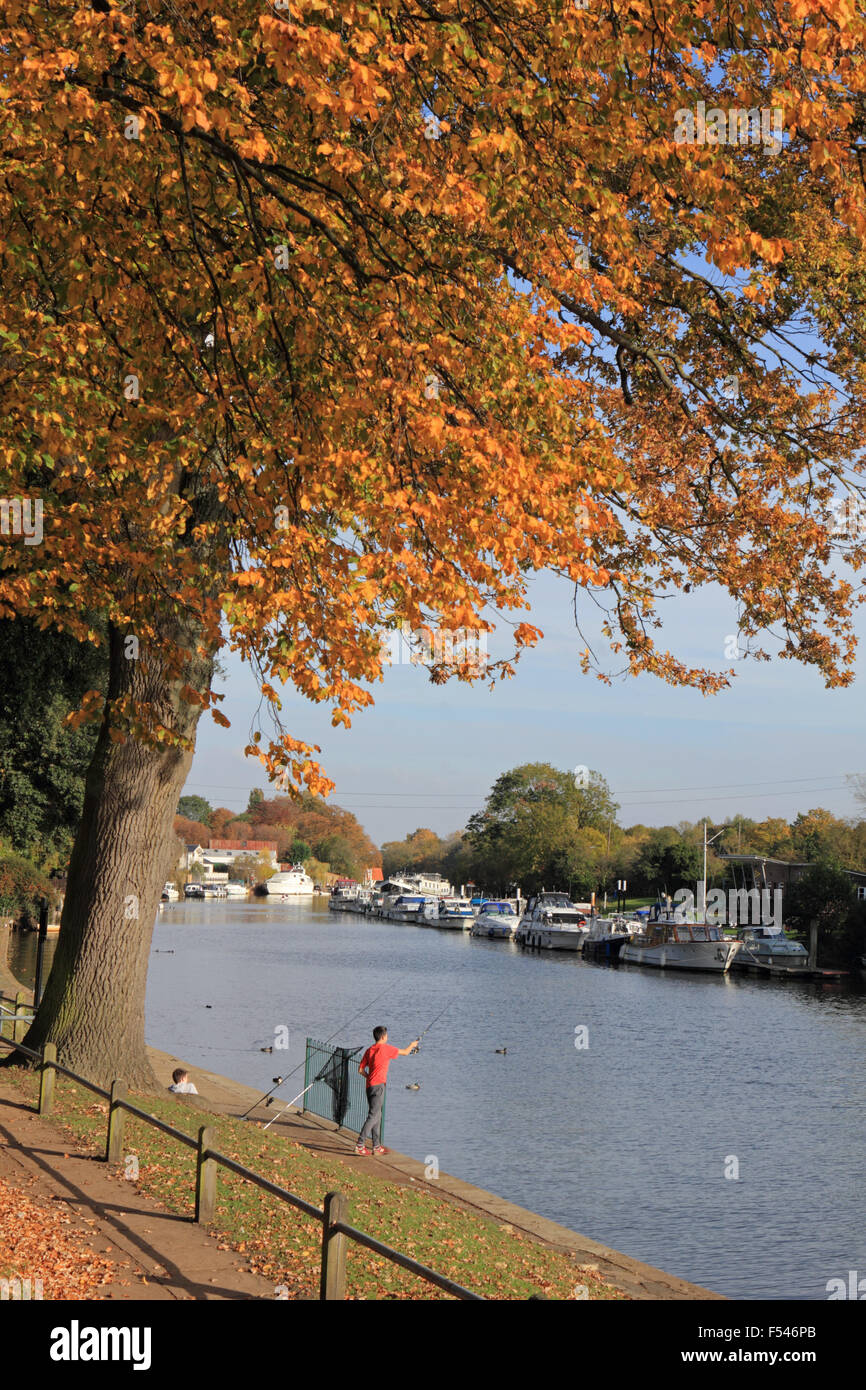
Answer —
283 1246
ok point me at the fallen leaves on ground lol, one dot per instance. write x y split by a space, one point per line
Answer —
39 1242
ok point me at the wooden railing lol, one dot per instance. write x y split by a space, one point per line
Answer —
336 1231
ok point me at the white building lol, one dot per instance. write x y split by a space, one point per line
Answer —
217 861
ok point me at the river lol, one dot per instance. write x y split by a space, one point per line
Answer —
684 1079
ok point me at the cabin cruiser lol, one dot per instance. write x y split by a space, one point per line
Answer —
766 950
409 907
552 922
344 898
385 895
608 935
236 890
496 919
193 890
349 898
454 913
169 893
673 940
290 883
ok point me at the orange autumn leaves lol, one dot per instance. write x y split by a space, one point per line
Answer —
39 1243
316 324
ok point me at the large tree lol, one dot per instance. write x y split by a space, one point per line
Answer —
319 321
541 827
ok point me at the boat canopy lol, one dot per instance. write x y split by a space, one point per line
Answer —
503 908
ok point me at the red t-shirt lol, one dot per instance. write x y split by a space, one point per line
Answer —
376 1060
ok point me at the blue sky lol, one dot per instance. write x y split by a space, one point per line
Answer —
776 743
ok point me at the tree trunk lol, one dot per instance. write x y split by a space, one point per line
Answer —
93 1005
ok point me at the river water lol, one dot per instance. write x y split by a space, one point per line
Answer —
710 1126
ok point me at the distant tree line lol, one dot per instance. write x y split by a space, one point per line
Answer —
322 836
540 829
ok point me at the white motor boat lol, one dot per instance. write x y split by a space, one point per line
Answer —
453 913
497 919
169 893
193 890
553 923
673 940
237 890
410 907
766 950
385 895
290 883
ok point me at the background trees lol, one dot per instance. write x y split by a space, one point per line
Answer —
536 829
43 762
195 808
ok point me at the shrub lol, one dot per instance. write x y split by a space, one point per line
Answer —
21 887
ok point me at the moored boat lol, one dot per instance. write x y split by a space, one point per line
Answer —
553 923
497 919
344 898
454 914
290 883
409 907
673 942
169 893
384 896
766 950
607 936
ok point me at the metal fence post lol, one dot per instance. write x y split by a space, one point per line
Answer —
333 1281
19 1008
113 1152
46 1079
205 1178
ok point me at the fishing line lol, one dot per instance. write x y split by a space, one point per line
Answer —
436 1020
353 1053
282 1082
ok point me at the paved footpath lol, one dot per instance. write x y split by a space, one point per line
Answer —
158 1254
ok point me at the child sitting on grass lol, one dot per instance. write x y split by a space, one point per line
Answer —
181 1083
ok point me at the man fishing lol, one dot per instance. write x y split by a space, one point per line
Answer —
374 1066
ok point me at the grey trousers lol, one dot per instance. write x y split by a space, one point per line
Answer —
375 1100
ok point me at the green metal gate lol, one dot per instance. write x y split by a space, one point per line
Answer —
337 1091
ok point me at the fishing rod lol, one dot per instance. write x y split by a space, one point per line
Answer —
348 1055
430 1025
284 1079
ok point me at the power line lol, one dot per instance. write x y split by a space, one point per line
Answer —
630 791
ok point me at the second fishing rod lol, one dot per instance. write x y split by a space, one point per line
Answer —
349 1056
283 1079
